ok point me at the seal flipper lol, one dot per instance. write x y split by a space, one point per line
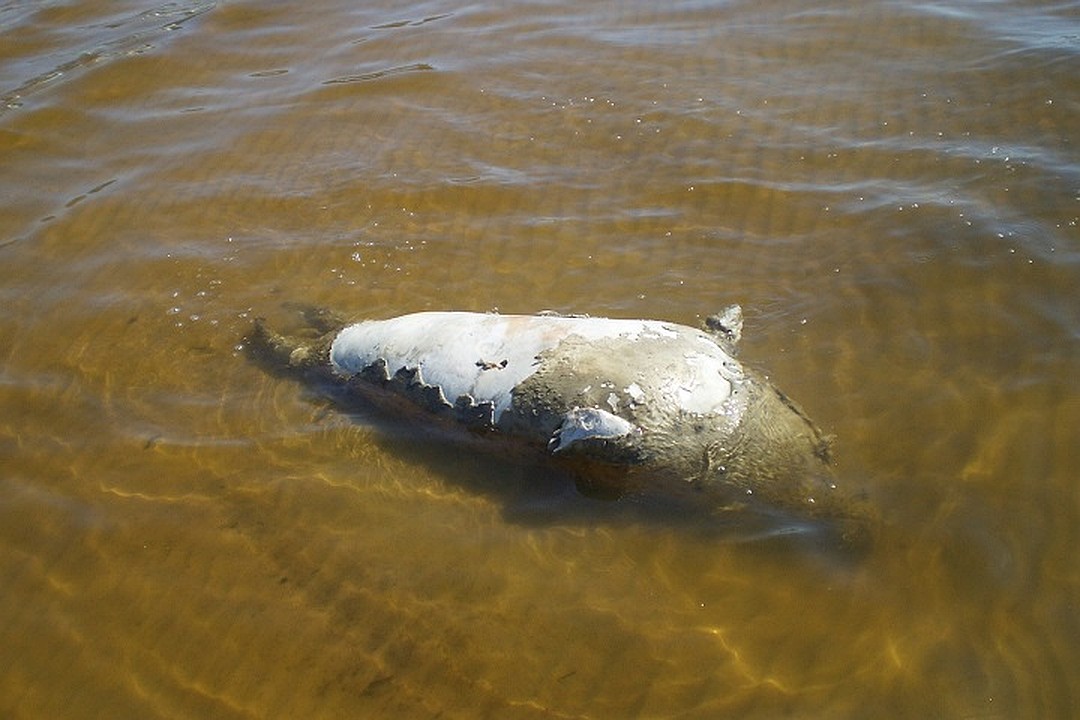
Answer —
304 348
582 426
283 353
726 326
596 448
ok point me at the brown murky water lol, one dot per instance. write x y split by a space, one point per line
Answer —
890 189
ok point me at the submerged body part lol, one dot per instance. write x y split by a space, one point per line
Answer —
626 405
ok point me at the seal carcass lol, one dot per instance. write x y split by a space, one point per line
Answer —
626 405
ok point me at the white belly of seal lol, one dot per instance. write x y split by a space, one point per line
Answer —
485 356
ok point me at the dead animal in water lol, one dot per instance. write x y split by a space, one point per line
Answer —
625 405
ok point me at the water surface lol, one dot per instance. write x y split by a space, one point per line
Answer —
891 190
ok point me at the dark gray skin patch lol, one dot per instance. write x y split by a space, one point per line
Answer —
474 415
759 450
670 447
409 384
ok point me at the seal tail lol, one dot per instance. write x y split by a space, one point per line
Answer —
294 354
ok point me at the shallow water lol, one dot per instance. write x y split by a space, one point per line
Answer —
891 190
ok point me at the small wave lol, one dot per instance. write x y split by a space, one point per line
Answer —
110 40
379 74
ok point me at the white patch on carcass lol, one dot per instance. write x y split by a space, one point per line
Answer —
705 385
635 392
456 350
588 423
